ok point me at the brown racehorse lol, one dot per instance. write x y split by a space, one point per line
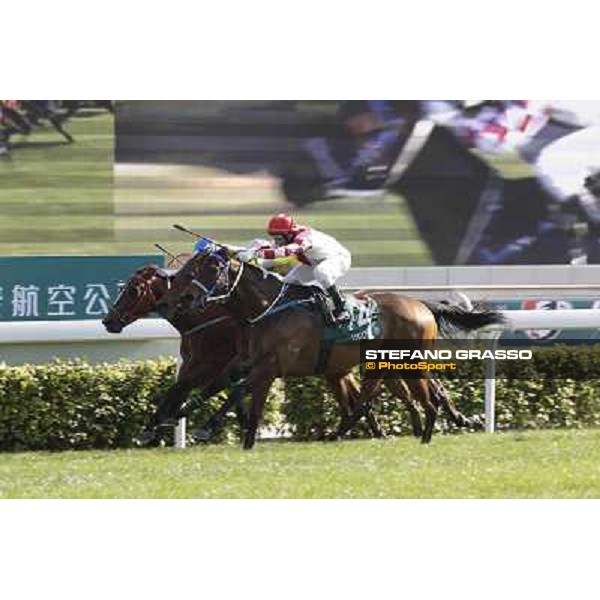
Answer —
281 343
207 349
210 344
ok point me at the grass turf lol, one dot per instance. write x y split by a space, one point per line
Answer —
57 198
542 464
235 209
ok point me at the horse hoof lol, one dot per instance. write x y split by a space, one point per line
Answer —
248 444
477 422
202 435
147 438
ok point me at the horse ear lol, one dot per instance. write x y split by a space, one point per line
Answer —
223 252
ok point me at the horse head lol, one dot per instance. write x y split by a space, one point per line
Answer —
140 295
205 278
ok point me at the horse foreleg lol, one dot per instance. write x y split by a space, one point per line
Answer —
233 400
237 398
165 413
261 380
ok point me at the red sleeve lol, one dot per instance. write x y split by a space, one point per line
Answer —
301 243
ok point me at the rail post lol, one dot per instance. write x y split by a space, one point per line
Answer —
179 433
490 382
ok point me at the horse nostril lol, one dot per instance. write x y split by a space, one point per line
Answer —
112 326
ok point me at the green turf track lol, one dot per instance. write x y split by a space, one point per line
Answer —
235 209
545 464
57 198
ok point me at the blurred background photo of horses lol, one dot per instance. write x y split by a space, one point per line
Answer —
56 177
221 167
392 183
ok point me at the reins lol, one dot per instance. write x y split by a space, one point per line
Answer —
206 325
227 295
271 306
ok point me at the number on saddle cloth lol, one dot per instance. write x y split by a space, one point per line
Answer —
364 323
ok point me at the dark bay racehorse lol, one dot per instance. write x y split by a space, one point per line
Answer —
210 347
280 343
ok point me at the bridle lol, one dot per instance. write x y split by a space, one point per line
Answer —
224 272
145 297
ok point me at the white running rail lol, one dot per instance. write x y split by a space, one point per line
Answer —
151 329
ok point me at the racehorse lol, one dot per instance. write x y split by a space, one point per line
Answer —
279 342
204 365
209 348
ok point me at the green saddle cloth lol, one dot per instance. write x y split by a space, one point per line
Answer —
364 323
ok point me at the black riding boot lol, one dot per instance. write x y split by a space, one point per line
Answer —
340 314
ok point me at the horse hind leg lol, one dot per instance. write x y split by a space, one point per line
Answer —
440 397
420 391
342 393
399 389
367 391
372 422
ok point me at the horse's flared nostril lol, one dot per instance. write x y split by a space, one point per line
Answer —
112 326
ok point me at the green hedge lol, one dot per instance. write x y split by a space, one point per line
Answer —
74 405
560 387
67 405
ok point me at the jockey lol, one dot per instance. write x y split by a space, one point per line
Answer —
321 258
560 140
280 264
359 162
562 163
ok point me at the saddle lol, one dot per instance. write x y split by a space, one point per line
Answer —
364 324
364 315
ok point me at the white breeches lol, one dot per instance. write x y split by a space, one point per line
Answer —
325 274
563 165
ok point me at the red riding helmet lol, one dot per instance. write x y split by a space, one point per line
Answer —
281 224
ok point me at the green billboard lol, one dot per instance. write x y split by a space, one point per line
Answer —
50 288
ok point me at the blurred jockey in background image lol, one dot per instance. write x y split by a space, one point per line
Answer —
560 140
11 122
21 117
356 162
314 257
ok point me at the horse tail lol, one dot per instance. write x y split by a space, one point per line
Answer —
452 319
